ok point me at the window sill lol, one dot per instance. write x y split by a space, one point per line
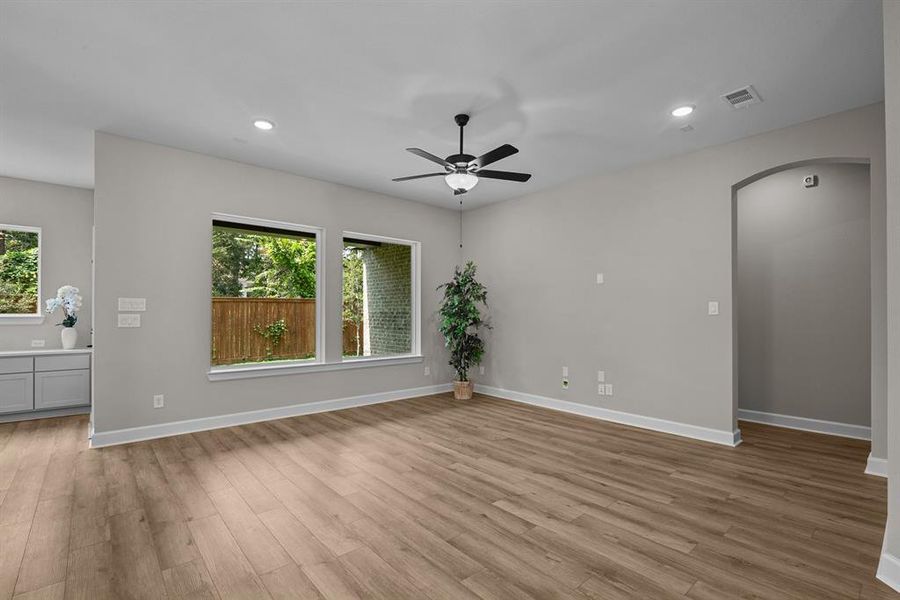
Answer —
21 319
294 368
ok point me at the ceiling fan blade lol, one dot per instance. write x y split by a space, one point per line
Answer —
495 155
505 175
430 156
418 176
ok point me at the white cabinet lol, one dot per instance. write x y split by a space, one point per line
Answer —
16 392
39 383
57 389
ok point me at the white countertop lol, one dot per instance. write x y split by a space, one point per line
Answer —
39 351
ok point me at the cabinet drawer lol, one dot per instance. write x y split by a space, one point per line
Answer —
62 362
55 389
16 364
16 392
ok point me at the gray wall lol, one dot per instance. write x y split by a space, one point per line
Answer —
65 215
152 215
892 129
662 235
803 294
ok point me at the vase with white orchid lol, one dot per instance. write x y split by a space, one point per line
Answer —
69 300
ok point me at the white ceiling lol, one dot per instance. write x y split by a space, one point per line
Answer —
578 87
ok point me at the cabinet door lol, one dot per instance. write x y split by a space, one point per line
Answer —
57 389
16 392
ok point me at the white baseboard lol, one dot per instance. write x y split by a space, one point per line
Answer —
889 570
149 432
859 432
716 436
876 466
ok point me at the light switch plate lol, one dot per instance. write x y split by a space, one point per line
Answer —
601 376
427 371
601 389
713 308
128 320
159 401
608 389
481 369
565 371
38 343
599 278
132 304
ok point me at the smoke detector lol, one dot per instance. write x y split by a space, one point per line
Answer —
742 97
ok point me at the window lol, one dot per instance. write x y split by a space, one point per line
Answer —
380 297
20 272
265 284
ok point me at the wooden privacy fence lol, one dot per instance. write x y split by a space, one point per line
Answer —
235 322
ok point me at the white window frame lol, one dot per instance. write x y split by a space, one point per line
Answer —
37 317
319 233
415 290
320 364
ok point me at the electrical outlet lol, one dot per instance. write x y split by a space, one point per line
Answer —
427 371
608 389
601 376
38 343
565 371
132 304
601 389
129 320
565 383
159 401
481 369
713 308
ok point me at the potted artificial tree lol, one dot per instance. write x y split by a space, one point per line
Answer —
460 323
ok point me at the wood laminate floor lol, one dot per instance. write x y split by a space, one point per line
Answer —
435 499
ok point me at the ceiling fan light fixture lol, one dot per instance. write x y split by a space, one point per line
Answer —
461 181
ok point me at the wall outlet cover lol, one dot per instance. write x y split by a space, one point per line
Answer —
159 401
601 389
132 304
427 371
38 343
565 371
601 376
608 389
129 320
599 278
713 308
481 369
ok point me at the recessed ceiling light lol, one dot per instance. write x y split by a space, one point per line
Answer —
683 111
264 124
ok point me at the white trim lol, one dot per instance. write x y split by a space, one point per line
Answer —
319 232
296 367
415 284
35 318
859 432
12 319
889 570
876 466
716 436
149 432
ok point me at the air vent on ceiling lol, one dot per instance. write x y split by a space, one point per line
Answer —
742 97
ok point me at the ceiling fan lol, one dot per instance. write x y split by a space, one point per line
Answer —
462 171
